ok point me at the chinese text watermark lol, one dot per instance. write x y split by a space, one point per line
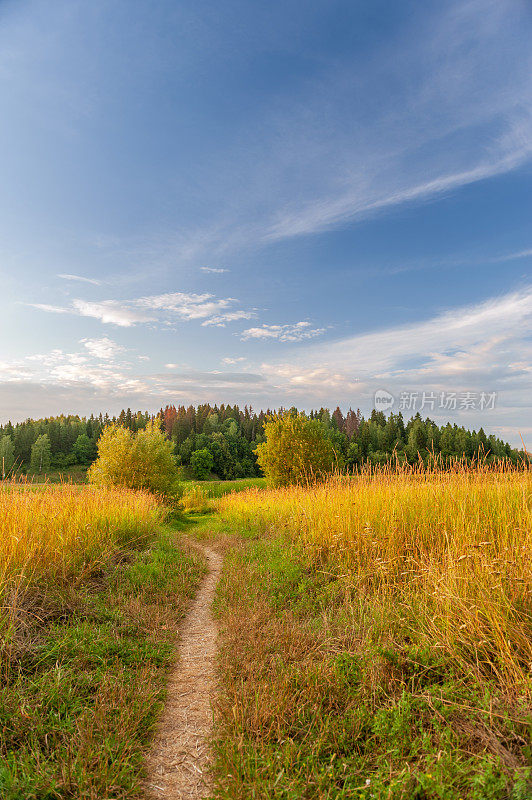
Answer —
435 401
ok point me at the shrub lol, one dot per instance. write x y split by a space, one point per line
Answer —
297 449
137 461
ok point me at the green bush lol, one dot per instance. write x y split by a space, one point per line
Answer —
297 450
143 460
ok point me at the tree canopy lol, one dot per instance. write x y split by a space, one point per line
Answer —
231 435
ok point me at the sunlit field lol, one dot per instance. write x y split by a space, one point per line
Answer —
450 554
397 607
65 533
91 588
200 496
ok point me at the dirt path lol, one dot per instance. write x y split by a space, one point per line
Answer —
178 761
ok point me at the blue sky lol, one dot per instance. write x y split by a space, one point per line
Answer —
272 203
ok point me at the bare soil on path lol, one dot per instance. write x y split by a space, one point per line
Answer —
178 761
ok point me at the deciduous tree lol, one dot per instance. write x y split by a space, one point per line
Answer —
41 454
143 460
201 462
297 449
7 455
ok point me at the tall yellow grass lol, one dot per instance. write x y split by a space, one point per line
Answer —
57 535
443 557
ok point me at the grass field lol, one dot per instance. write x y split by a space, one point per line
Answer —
375 636
92 587
75 474
200 496
221 488
377 639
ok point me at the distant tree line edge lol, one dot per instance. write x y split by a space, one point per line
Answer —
222 440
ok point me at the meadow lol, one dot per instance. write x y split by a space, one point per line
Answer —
375 635
92 585
200 496
377 638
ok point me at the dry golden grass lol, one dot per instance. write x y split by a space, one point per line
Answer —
91 587
61 535
195 499
375 639
448 554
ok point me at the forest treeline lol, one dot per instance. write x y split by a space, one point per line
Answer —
222 439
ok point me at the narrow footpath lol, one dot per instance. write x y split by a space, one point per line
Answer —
178 761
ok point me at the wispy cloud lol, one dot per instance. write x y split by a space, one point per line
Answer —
198 378
459 114
80 278
513 256
112 312
341 145
219 320
352 205
161 309
295 332
49 308
483 346
231 361
404 349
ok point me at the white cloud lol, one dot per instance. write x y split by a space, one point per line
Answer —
295 332
161 309
445 339
215 270
112 312
80 278
219 320
103 348
232 361
482 347
514 256
186 305
97 367
50 309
